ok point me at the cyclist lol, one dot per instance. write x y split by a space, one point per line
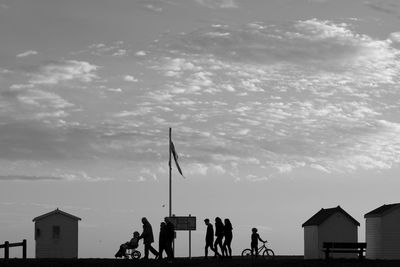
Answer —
254 241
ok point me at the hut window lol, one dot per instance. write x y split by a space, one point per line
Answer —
37 232
56 231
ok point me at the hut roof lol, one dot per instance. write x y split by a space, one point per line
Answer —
324 214
382 210
56 211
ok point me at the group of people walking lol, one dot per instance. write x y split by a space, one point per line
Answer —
223 238
166 238
221 245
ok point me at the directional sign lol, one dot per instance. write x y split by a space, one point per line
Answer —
183 223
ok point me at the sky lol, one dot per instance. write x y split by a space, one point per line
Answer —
278 108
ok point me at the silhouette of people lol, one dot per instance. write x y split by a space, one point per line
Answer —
162 240
228 238
219 233
132 244
209 238
148 238
254 241
170 236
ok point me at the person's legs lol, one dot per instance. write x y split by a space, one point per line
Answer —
169 250
161 248
155 253
146 251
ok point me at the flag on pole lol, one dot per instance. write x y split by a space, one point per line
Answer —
175 155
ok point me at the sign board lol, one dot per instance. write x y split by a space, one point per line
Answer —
183 223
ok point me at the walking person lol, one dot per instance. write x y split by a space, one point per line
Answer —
219 233
170 236
162 240
228 238
148 238
209 238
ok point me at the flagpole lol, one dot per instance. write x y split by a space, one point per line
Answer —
170 174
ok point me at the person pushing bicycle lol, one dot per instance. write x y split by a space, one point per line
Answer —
254 241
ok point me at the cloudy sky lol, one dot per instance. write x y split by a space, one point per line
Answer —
278 108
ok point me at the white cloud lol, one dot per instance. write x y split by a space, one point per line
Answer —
71 70
130 78
141 53
27 53
217 3
43 99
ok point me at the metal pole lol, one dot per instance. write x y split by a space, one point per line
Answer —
190 243
170 175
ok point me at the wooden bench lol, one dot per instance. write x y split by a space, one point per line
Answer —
344 247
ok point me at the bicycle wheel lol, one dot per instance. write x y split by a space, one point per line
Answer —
268 253
136 255
246 253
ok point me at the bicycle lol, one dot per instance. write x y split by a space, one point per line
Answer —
263 250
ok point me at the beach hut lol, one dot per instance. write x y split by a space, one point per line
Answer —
329 225
382 232
56 235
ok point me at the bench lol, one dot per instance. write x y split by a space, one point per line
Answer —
344 247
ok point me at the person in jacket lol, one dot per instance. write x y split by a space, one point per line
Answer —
219 233
170 236
228 238
148 238
209 238
162 240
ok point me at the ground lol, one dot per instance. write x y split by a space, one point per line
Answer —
195 262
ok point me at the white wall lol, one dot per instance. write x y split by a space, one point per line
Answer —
391 235
311 242
66 246
373 237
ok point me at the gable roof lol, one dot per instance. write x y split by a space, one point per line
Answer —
56 211
382 210
324 214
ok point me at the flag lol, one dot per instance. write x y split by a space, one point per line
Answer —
175 155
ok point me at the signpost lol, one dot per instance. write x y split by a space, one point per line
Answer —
185 223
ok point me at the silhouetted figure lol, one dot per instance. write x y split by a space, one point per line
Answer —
209 238
254 241
170 236
219 233
228 238
148 238
162 240
132 244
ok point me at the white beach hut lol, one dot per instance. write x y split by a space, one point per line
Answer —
56 235
329 225
382 227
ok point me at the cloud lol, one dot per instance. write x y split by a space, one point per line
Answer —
306 94
389 7
217 3
130 78
141 53
29 178
63 71
43 99
81 176
27 53
114 49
